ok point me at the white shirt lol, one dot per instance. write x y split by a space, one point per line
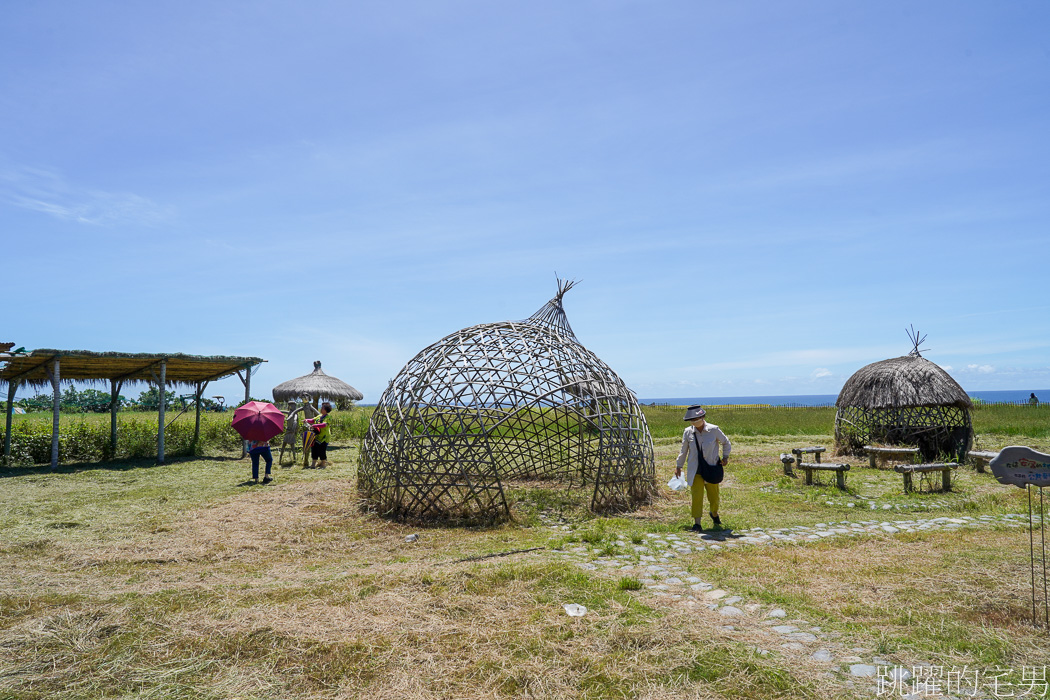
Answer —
709 438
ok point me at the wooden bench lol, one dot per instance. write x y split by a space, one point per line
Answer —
788 460
815 451
874 453
981 459
839 469
945 468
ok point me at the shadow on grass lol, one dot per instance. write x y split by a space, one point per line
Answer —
116 465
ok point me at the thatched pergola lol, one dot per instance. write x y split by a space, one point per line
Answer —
904 401
507 400
318 386
46 367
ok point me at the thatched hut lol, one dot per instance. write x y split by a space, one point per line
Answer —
508 400
904 401
44 367
319 387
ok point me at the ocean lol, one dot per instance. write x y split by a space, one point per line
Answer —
1018 396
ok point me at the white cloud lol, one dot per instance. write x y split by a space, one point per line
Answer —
820 372
47 192
981 369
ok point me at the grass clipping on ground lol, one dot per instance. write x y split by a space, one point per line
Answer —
181 581
296 593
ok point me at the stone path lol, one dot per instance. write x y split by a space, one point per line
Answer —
652 561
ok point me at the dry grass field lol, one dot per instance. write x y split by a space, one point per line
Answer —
125 579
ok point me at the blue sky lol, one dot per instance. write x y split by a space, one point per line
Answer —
756 197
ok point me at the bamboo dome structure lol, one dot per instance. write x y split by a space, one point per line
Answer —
499 401
318 386
904 401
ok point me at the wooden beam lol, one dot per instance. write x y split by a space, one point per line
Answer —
114 393
54 374
150 366
12 387
18 377
246 379
197 426
162 385
220 375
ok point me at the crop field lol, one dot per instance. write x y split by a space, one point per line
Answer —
127 579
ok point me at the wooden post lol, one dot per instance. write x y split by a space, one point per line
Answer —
54 374
872 459
840 479
908 488
809 477
12 387
162 382
114 397
197 426
246 379
946 479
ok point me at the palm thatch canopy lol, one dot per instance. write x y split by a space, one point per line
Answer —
317 385
911 380
506 400
84 365
47 367
904 400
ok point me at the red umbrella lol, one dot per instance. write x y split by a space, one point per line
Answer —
258 420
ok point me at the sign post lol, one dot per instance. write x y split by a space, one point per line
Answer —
1030 470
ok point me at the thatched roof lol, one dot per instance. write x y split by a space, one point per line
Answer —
318 385
911 380
85 365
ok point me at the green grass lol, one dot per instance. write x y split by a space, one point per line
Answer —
128 579
667 422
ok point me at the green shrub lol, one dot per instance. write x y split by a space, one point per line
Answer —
86 438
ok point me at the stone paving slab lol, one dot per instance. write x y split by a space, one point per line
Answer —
662 578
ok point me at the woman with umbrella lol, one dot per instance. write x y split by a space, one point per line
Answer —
257 422
256 449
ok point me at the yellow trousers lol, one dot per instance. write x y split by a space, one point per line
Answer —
697 491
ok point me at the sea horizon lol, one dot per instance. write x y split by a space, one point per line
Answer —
998 396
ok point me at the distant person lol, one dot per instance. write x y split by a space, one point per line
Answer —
256 449
322 433
699 451
1033 400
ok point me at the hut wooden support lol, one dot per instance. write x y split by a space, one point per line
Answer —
246 380
12 387
55 375
114 404
162 383
198 394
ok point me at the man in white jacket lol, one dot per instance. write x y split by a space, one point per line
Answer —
700 441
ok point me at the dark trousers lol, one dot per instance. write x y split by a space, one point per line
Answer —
319 450
254 453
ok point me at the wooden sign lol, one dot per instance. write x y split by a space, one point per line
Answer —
1021 466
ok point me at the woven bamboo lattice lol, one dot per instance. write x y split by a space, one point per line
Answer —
498 401
904 401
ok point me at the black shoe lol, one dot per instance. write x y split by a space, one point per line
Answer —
267 479
717 522
697 527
